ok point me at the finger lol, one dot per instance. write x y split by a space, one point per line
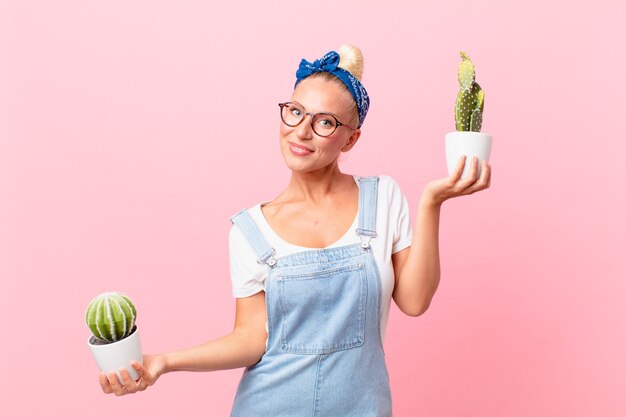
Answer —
129 385
141 370
104 383
471 177
485 176
117 388
144 376
473 174
455 175
483 181
458 170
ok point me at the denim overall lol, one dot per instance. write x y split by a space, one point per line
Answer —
324 354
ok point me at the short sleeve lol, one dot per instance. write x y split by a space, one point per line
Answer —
399 217
247 276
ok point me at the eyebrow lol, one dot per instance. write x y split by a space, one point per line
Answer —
322 112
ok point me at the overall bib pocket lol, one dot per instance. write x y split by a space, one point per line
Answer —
323 311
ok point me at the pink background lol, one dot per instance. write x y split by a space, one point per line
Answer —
131 130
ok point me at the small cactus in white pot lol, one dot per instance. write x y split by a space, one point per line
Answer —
467 139
115 341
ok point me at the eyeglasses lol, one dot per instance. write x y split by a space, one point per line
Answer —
323 124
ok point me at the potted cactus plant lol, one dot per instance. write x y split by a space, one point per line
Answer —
115 340
467 139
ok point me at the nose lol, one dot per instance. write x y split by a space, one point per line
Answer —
304 130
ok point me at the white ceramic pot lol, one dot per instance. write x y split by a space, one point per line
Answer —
113 356
470 144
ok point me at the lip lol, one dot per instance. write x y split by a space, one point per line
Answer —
299 150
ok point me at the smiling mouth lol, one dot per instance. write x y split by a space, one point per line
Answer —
299 150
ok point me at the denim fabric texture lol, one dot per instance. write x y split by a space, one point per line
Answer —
324 354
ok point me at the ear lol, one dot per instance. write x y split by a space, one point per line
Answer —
352 140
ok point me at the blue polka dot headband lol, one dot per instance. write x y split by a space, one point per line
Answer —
328 63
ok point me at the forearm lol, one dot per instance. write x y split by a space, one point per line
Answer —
418 279
235 350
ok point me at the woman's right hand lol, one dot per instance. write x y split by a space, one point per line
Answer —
244 346
153 367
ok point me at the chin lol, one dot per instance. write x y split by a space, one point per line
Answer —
303 166
298 166
295 163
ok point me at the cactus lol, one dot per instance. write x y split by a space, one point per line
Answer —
111 316
470 100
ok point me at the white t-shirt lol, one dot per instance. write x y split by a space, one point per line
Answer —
393 227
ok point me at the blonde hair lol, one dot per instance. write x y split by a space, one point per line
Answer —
351 59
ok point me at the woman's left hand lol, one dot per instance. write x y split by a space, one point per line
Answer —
442 189
153 367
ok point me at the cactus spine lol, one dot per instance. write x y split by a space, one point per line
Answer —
470 100
111 316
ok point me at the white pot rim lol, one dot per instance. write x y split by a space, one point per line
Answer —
93 338
468 132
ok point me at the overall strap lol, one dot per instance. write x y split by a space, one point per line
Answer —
368 199
254 236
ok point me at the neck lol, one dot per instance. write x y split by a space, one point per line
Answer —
316 185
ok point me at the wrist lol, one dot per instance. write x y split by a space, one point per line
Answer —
166 363
429 201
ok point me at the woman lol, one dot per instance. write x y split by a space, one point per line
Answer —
315 269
